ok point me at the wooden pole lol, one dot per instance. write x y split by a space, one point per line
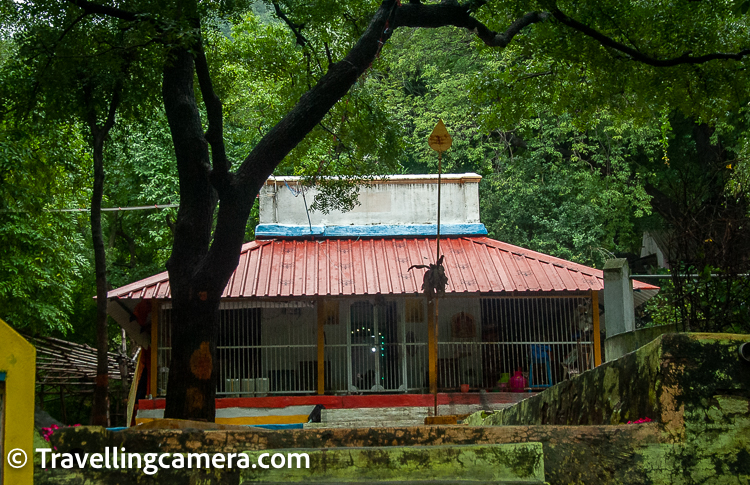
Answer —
597 333
432 346
321 346
154 369
436 318
62 404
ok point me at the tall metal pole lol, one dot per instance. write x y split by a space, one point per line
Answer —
440 173
439 140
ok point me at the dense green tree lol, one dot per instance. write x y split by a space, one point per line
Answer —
41 258
705 207
550 184
140 173
576 194
80 69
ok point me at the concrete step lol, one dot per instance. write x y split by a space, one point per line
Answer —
515 463
389 416
369 423
371 417
384 414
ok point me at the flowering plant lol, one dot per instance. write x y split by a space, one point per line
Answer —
642 420
47 432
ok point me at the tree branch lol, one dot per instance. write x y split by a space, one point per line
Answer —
431 16
113 104
296 28
68 29
313 105
131 244
280 140
215 132
95 8
635 55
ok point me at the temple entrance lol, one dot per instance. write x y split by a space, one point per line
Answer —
374 347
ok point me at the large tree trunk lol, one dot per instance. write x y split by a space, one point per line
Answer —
195 305
100 409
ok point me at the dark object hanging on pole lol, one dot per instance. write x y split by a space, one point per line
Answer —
434 281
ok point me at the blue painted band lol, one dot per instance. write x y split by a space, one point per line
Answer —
2 376
377 230
277 426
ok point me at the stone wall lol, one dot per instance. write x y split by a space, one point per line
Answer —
675 375
583 454
621 344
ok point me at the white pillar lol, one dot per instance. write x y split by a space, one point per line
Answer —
618 298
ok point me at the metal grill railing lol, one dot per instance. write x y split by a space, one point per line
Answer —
382 347
265 351
260 350
239 355
548 339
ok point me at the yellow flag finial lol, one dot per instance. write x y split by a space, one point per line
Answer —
440 140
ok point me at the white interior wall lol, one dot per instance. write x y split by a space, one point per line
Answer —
288 326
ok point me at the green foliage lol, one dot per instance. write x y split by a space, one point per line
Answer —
552 65
707 225
41 258
705 301
573 194
568 134
550 184
423 76
260 73
140 172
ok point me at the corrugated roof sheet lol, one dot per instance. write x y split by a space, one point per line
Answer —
286 268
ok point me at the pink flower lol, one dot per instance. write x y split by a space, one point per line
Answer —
47 432
642 420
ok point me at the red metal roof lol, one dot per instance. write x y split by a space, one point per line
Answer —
278 268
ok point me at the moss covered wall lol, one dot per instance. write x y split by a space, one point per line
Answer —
696 389
581 454
675 374
623 343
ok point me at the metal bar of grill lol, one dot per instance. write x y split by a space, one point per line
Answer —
164 350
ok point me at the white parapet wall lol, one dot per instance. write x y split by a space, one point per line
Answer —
396 205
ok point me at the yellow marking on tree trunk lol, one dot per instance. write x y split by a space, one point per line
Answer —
200 362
